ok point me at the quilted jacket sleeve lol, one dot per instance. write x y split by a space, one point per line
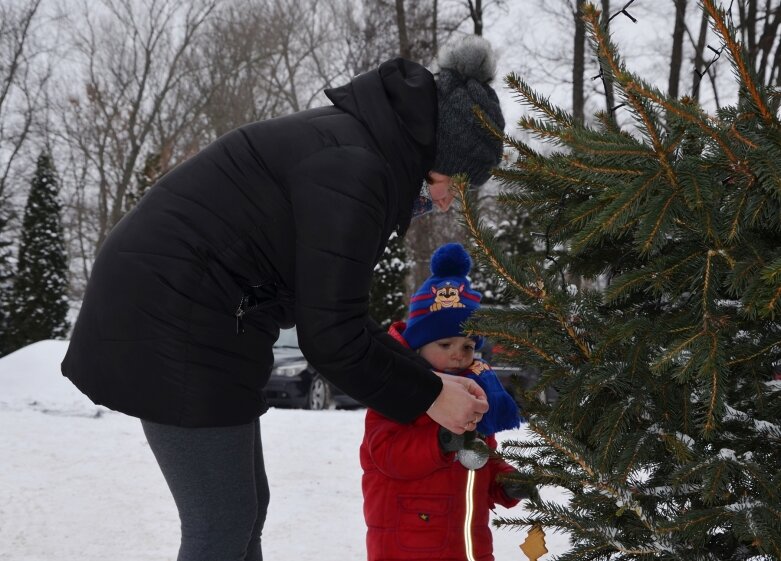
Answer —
404 451
382 336
340 198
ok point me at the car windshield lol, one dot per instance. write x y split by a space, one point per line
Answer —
288 339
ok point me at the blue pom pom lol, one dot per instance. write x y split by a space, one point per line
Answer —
451 260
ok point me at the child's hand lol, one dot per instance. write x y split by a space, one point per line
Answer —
450 442
519 489
470 451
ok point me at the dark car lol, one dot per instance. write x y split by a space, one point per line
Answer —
515 379
294 383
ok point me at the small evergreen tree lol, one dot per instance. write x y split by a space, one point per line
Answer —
667 430
387 298
6 279
39 305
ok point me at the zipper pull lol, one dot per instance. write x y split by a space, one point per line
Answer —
239 313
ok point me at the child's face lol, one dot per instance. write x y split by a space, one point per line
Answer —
451 354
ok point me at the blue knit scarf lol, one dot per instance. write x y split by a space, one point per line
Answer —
503 412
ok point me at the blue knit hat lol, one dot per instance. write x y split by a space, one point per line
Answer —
444 301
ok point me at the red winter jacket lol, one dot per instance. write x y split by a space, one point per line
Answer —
420 503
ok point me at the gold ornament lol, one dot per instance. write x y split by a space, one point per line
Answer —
534 545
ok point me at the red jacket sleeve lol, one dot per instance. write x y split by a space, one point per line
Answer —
404 451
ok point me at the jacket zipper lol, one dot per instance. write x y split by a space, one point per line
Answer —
470 507
239 313
245 307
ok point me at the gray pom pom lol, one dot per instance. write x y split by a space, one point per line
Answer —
471 56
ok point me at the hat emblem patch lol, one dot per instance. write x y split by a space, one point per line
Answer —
446 295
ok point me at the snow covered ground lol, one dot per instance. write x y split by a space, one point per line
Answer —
79 483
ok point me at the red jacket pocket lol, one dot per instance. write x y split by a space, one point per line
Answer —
424 521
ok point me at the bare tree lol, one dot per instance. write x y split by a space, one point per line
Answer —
303 38
567 63
579 63
232 74
434 26
758 25
274 57
22 83
610 98
748 33
422 26
478 9
699 55
427 27
362 28
676 56
133 57
401 25
759 31
476 13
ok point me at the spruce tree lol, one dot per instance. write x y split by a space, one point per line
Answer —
6 278
513 237
387 298
39 306
667 430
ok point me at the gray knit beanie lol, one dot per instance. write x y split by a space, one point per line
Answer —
463 144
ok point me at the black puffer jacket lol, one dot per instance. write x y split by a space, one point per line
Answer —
276 223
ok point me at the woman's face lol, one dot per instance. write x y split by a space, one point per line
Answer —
439 187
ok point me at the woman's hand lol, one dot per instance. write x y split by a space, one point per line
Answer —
460 405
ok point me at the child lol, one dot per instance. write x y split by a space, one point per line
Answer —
425 496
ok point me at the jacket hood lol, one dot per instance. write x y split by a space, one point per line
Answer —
396 330
397 103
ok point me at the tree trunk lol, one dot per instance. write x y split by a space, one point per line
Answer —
676 58
608 80
713 77
767 39
751 27
434 24
476 13
401 23
699 60
579 63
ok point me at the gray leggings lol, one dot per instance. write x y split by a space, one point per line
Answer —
218 481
